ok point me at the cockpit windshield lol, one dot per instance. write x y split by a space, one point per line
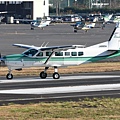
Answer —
30 52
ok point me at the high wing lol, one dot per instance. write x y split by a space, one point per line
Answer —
24 46
59 48
49 48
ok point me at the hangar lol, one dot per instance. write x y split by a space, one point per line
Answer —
31 9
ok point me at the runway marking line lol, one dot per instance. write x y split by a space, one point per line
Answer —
69 89
16 80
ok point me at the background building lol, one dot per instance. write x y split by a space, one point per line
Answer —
86 3
31 9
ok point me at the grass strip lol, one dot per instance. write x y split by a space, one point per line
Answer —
87 109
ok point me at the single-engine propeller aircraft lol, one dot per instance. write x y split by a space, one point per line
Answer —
57 56
39 23
81 25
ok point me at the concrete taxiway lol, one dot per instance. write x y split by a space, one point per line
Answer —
34 89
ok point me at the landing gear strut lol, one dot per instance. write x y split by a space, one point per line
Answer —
9 76
75 30
56 75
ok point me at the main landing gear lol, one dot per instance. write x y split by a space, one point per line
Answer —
56 75
75 30
32 28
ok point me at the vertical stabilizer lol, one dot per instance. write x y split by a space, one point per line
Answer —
107 18
114 41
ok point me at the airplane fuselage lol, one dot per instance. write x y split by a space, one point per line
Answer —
69 57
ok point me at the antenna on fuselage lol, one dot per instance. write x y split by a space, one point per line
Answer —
42 44
46 44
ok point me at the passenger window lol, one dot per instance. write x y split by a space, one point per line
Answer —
48 53
80 53
58 53
40 54
74 53
67 53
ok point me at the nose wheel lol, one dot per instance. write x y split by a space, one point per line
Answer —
56 75
9 76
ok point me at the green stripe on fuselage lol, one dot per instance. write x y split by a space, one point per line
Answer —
19 57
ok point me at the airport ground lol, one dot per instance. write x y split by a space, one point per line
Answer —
58 34
32 89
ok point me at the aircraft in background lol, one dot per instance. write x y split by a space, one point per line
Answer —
58 56
84 26
107 18
115 19
2 17
40 23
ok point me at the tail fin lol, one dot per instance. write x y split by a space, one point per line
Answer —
95 19
108 17
114 40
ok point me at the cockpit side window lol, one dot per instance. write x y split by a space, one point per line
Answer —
31 52
40 54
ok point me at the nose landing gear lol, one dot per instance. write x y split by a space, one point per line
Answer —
9 76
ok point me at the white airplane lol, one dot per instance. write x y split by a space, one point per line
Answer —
40 24
58 56
2 17
84 26
116 19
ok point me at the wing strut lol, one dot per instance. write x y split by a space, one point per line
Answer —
49 57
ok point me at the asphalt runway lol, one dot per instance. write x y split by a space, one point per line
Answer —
68 87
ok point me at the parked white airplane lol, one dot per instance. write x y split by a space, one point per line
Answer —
57 56
84 26
40 24
116 19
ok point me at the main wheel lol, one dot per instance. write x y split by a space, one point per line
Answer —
75 30
9 76
32 28
43 75
56 75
